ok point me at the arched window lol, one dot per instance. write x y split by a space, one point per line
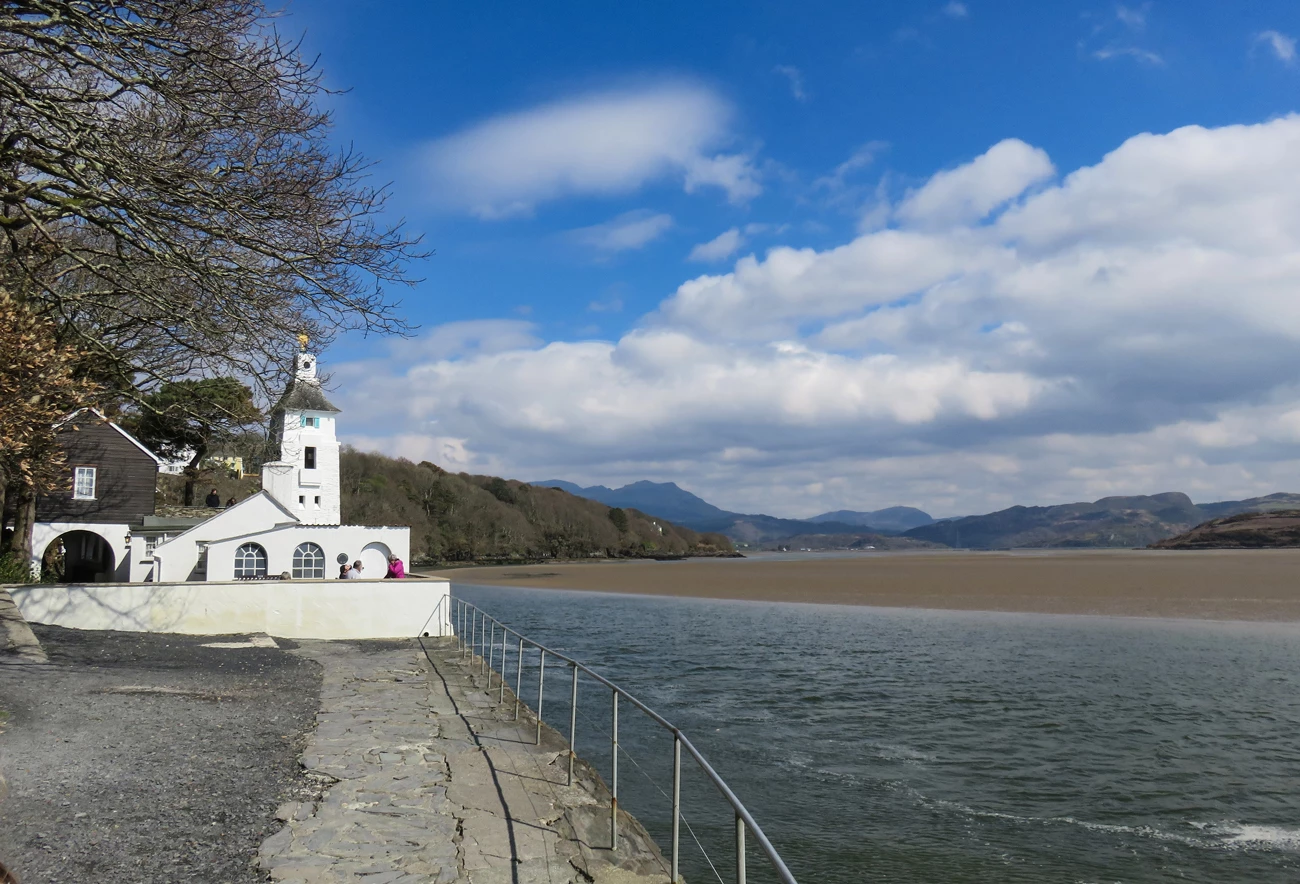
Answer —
250 561
308 562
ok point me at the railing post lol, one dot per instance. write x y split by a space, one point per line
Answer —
482 645
519 676
473 635
613 778
573 722
541 680
740 850
491 653
504 635
677 801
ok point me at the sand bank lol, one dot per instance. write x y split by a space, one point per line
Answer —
1211 585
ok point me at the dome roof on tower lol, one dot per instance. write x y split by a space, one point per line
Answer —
304 395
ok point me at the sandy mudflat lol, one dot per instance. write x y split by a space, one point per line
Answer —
1211 585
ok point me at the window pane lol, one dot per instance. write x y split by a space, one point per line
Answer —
309 562
309 458
250 561
83 485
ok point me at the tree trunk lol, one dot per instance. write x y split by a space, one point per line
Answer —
192 473
20 544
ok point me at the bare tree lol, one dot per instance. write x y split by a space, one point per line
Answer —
169 200
169 195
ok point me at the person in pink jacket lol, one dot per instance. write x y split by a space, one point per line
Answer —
396 571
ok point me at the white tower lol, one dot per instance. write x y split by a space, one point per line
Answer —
306 477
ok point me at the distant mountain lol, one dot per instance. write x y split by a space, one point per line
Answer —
463 518
667 501
1109 522
663 499
894 518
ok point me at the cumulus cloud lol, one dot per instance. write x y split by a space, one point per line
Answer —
1012 336
955 10
599 144
970 192
1282 46
631 230
722 246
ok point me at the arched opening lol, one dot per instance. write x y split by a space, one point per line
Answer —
250 562
308 562
374 558
78 557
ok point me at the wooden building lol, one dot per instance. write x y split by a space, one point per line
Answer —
113 477
83 533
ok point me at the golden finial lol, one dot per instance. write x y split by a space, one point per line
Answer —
302 342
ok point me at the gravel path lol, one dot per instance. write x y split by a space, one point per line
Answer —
149 758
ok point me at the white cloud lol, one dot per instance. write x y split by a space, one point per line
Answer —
722 246
970 192
1014 338
1133 18
631 230
1143 55
795 76
601 144
956 10
1283 46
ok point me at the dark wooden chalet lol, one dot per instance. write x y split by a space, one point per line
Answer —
112 476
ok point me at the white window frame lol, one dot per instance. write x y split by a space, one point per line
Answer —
308 562
246 553
152 543
78 473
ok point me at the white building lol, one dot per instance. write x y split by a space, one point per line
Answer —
290 529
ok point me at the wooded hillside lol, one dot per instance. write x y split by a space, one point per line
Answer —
461 518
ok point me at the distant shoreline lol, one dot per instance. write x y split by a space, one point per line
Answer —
1260 585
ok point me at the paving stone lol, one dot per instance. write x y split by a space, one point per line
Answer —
431 782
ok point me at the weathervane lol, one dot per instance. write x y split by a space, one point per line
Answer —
302 342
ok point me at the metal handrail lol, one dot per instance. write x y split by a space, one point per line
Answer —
744 820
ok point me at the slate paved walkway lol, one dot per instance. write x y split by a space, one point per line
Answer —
432 783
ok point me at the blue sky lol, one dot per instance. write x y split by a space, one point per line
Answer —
801 257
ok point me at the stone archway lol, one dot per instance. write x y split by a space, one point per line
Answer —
78 557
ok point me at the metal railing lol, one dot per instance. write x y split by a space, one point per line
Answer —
482 638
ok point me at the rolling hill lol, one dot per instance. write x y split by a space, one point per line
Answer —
1109 522
669 501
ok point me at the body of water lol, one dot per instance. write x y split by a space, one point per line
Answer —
934 746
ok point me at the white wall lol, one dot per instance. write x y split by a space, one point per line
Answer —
45 533
338 609
335 540
175 560
297 487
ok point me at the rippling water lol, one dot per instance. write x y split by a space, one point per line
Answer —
932 746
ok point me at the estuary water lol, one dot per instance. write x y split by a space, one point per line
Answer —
901 745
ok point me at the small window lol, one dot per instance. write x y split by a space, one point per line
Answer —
250 561
318 502
302 500
152 543
83 483
313 422
309 458
308 562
